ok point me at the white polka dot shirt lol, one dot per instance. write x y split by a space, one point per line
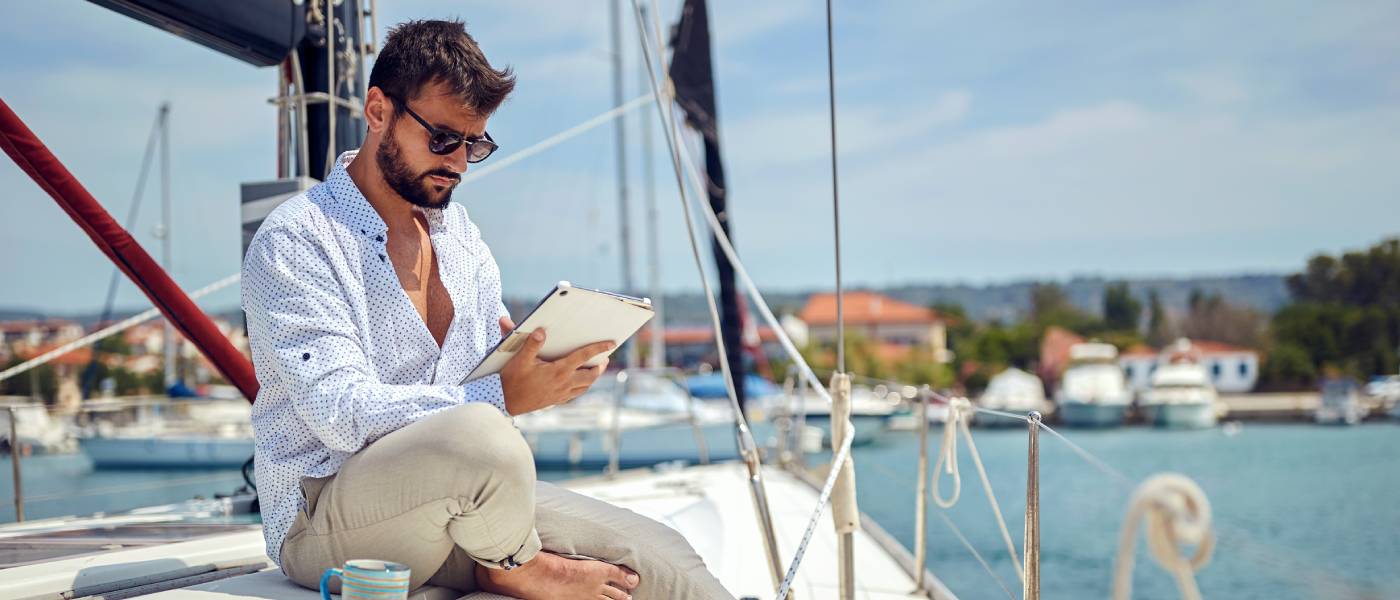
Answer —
341 354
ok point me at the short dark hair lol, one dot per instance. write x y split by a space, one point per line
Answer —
420 53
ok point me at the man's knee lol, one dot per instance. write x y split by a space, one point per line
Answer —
477 436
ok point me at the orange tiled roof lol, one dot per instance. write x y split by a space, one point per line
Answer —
77 357
864 308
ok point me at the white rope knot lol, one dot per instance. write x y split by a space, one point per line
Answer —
1177 514
960 411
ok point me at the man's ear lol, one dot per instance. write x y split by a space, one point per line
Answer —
379 110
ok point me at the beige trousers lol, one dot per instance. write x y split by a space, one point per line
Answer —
458 488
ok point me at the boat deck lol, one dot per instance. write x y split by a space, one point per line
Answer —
710 505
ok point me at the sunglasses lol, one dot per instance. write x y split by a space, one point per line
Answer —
442 141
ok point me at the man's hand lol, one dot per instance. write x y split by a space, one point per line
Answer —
531 383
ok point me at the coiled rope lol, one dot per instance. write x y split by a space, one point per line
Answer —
1177 512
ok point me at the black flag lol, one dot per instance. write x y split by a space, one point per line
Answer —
692 74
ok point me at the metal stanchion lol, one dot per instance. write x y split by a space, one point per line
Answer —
615 432
1030 589
921 500
15 452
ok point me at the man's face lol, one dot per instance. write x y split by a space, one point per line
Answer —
414 172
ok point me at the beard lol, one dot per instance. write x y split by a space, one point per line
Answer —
414 188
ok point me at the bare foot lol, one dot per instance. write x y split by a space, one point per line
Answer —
550 576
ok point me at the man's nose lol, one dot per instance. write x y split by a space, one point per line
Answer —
457 160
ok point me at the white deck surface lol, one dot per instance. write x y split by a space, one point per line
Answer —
710 505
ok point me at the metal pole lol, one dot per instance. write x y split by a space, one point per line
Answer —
331 88
15 452
165 235
656 355
844 511
701 446
921 500
624 215
615 433
1030 589
801 426
835 195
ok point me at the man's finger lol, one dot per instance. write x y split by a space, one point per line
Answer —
507 326
585 376
531 349
576 358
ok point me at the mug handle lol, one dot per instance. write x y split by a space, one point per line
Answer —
326 578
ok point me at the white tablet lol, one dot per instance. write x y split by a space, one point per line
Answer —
572 317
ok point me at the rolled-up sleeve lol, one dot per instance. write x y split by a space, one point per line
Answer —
302 335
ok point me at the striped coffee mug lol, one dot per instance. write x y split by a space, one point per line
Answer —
364 579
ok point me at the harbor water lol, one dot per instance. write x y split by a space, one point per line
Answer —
1302 511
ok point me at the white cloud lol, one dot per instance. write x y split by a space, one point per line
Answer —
785 137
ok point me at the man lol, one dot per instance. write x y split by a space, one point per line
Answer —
369 298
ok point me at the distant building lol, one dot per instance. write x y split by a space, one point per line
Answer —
688 347
1232 369
1054 354
888 322
28 334
67 368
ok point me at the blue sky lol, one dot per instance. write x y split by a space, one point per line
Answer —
978 143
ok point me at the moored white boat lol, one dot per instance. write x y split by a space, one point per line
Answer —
1093 391
1181 395
871 411
35 429
1011 391
1340 403
162 434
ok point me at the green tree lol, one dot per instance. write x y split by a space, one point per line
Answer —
1158 324
1120 310
1050 306
41 381
1345 316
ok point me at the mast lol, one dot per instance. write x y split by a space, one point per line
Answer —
656 353
330 60
620 141
692 72
164 233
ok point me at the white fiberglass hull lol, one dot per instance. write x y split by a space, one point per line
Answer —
1183 416
1087 414
167 452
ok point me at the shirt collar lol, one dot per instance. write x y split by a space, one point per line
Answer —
359 214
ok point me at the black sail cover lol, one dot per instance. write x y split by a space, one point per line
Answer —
692 74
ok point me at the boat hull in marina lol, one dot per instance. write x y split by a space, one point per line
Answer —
167 452
1184 416
867 427
1090 414
989 420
